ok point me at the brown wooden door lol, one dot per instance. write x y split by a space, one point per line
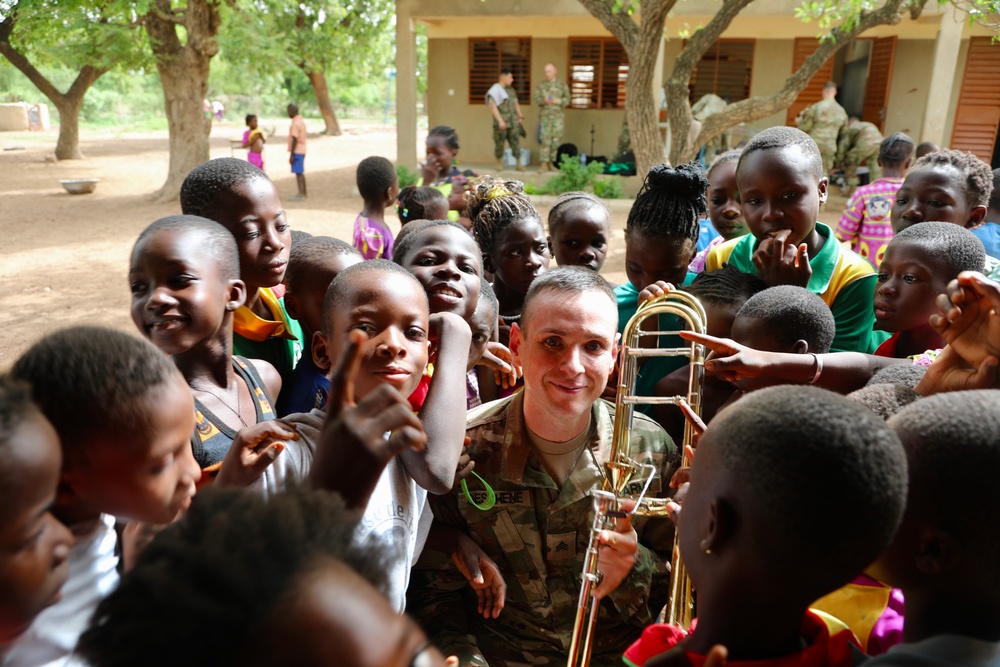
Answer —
880 62
978 114
813 92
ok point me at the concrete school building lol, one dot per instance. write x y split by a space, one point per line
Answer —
935 78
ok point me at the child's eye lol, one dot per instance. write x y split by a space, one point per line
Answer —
910 278
416 333
936 204
250 236
282 226
137 288
882 277
571 243
516 252
790 195
364 326
469 268
542 249
180 281
480 338
718 201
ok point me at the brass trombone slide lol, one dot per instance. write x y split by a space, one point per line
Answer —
620 469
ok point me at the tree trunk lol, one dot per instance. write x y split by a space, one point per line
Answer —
184 69
185 85
317 78
68 104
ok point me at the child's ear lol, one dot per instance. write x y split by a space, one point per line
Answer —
799 347
236 296
548 242
292 305
719 526
976 217
937 552
321 352
824 190
488 264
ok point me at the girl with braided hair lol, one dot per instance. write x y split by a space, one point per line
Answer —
661 239
510 234
580 229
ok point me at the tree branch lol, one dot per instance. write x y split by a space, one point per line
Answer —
618 24
18 60
170 16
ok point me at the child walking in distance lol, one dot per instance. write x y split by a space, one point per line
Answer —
724 210
312 266
866 224
918 265
440 172
243 199
184 279
661 234
297 150
253 140
421 203
580 229
388 306
782 185
318 601
770 523
945 554
513 242
989 231
379 187
124 418
34 545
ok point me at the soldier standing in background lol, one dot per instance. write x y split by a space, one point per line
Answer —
551 96
709 105
823 122
859 144
507 117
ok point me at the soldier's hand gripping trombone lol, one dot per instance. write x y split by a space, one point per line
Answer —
620 469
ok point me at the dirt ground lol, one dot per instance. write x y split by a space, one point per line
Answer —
64 258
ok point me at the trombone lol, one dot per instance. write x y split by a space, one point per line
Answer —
620 469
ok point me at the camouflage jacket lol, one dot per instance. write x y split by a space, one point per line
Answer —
823 121
537 534
559 92
863 137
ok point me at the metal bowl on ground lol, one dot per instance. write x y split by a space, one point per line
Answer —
79 186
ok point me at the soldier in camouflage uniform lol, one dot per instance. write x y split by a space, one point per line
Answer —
538 530
551 96
859 144
507 117
823 122
709 105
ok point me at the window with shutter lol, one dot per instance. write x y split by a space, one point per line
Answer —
487 56
598 70
724 70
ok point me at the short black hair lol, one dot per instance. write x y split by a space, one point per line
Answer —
506 70
908 375
727 286
342 283
995 195
895 149
669 203
250 117
217 240
885 399
791 313
15 406
566 280
926 148
952 443
723 158
811 463
374 176
311 253
88 380
412 202
298 236
977 174
202 578
447 133
780 137
494 204
489 297
204 184
568 201
961 249
407 243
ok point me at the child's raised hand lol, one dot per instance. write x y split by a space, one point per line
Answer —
970 322
657 289
499 359
352 449
482 574
253 450
729 360
781 263
950 372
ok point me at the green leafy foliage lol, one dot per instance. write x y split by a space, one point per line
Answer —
406 176
608 188
573 176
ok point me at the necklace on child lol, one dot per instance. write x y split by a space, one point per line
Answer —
239 403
